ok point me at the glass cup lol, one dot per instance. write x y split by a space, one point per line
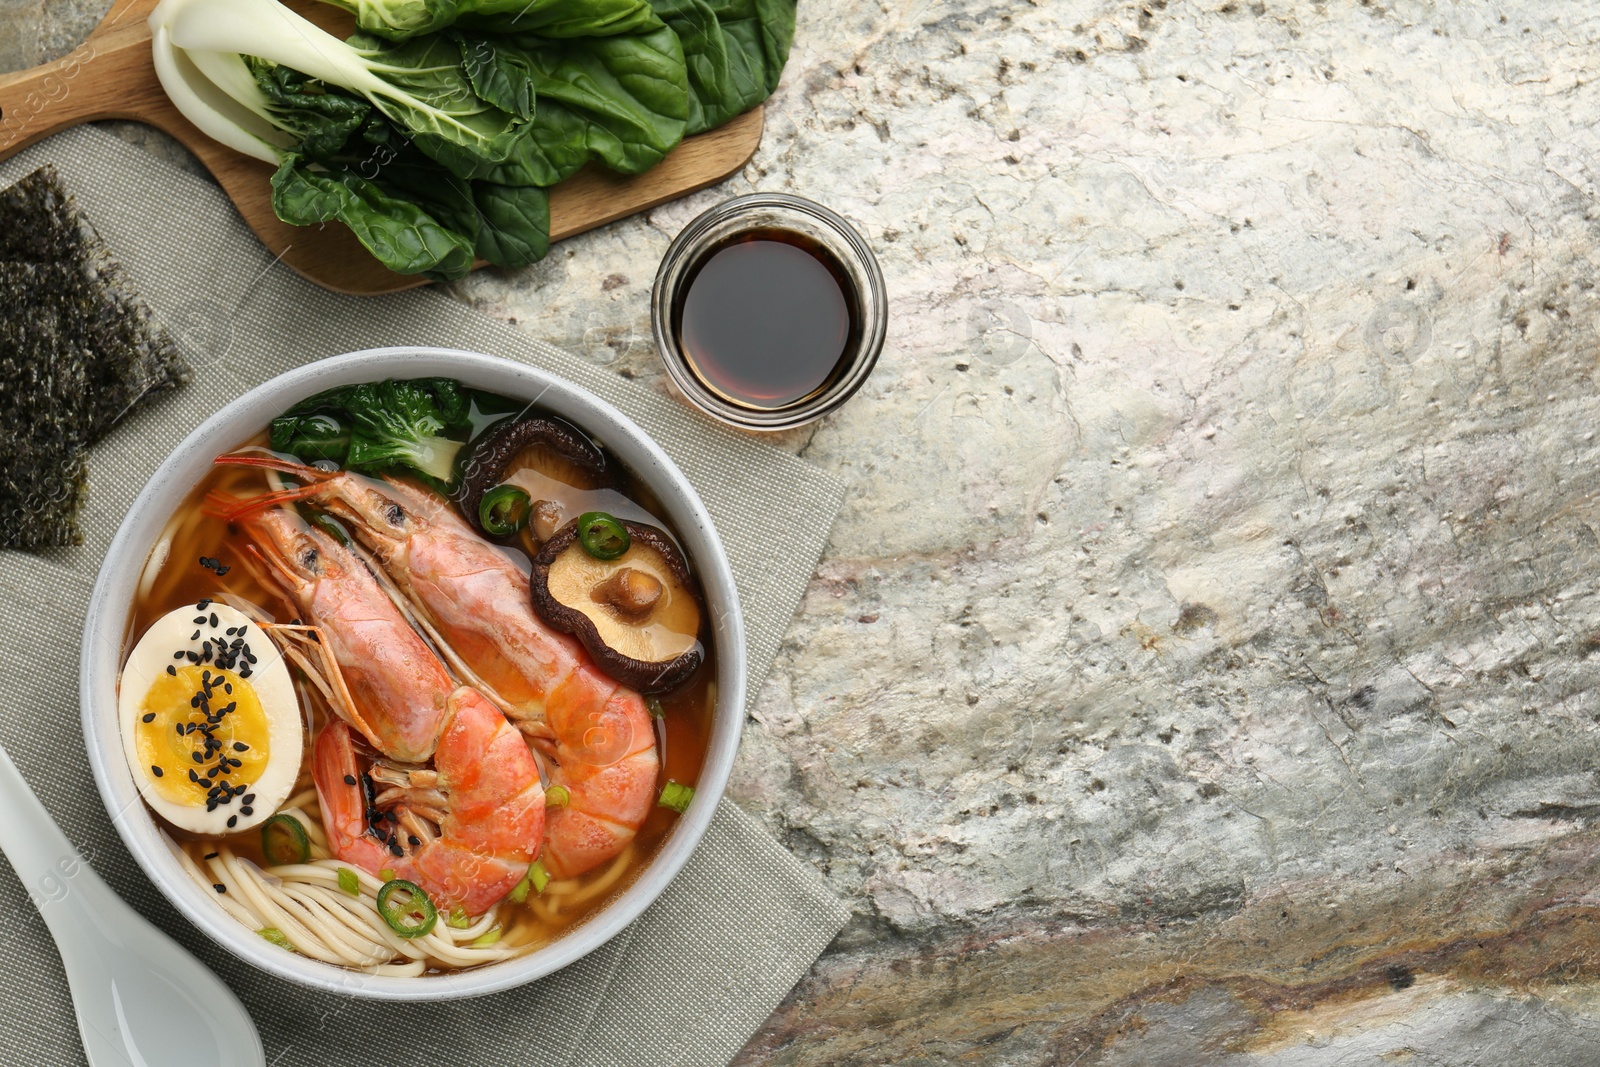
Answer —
771 211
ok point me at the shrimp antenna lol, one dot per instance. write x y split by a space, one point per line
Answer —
274 463
228 507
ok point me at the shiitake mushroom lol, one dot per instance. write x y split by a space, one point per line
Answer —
638 613
554 449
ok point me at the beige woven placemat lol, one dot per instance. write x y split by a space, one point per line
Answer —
685 984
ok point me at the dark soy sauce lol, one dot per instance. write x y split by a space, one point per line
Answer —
767 318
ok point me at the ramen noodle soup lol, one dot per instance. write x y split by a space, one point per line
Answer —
417 679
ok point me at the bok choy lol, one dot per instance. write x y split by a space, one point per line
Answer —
434 132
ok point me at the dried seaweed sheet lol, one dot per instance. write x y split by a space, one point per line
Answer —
78 350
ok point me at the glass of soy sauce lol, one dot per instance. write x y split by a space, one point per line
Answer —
769 311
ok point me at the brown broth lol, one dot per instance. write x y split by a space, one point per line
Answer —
180 580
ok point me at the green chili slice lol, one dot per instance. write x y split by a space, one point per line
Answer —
349 881
676 796
503 510
557 796
485 940
284 841
601 535
411 917
387 874
458 919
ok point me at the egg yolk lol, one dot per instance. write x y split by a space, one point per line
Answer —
173 728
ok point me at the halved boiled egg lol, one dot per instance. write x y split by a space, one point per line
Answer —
210 722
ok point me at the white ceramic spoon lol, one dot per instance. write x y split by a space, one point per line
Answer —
142 1001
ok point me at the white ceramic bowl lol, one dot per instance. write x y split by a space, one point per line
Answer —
111 605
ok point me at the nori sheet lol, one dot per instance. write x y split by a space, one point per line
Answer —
78 350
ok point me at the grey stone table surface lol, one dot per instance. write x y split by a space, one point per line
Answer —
1204 667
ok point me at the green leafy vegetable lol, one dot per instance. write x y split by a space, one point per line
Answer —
427 94
435 131
734 50
393 423
622 99
349 881
514 223
400 19
401 234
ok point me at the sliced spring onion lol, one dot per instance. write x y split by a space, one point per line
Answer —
557 796
536 879
504 510
458 918
653 706
601 535
349 882
414 916
276 936
284 841
484 940
676 796
387 874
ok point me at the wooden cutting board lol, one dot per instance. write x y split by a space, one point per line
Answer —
110 76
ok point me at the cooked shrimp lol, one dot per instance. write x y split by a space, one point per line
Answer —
397 685
465 831
596 733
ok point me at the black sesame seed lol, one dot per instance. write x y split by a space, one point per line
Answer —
155 770
213 620
396 849
196 757
244 809
250 798
172 670
221 570
219 887
233 820
203 605
414 839
149 717
179 655
349 779
240 746
211 855
193 777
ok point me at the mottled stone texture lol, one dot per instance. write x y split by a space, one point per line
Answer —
1204 668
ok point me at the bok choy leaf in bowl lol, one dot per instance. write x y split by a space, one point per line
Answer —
435 131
